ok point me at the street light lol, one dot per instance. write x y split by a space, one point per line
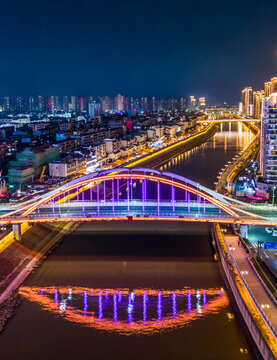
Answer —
265 306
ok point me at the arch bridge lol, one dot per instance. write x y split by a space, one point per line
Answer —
136 194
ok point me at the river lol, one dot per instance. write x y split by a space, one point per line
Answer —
121 290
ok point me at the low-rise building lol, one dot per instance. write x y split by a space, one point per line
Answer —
30 162
69 166
7 148
112 145
99 150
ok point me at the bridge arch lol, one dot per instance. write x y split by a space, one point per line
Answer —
134 174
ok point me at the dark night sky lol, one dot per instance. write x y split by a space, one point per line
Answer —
137 47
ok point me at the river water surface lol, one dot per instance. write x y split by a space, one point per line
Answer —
132 290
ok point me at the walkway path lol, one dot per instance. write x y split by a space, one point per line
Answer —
251 278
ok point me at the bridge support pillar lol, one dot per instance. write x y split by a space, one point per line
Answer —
17 231
244 231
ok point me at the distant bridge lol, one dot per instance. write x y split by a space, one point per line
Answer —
215 121
136 194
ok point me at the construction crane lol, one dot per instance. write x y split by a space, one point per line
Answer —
42 173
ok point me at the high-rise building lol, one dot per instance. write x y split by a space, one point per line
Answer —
65 104
6 106
107 103
247 101
180 104
83 105
202 103
143 104
258 97
273 85
31 103
48 104
73 103
19 103
268 152
161 105
119 103
152 104
53 107
267 88
192 103
41 106
171 104
94 109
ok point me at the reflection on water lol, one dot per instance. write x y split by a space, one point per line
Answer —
155 282
203 163
140 311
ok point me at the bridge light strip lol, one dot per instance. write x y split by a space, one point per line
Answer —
136 177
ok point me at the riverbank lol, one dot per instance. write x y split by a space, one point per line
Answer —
249 292
160 157
231 171
19 259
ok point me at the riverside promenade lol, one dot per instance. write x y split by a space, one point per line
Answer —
266 301
255 302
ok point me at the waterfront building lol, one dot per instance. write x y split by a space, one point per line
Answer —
71 165
268 153
247 101
273 85
258 97
267 88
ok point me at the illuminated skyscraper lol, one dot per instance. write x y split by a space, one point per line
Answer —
192 103
202 103
75 104
143 104
247 101
273 85
267 88
119 103
41 106
65 104
6 103
161 104
31 103
19 103
106 103
268 153
258 97
180 104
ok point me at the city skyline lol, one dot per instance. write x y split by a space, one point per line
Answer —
136 48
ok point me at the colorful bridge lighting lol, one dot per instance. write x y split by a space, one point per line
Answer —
161 196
